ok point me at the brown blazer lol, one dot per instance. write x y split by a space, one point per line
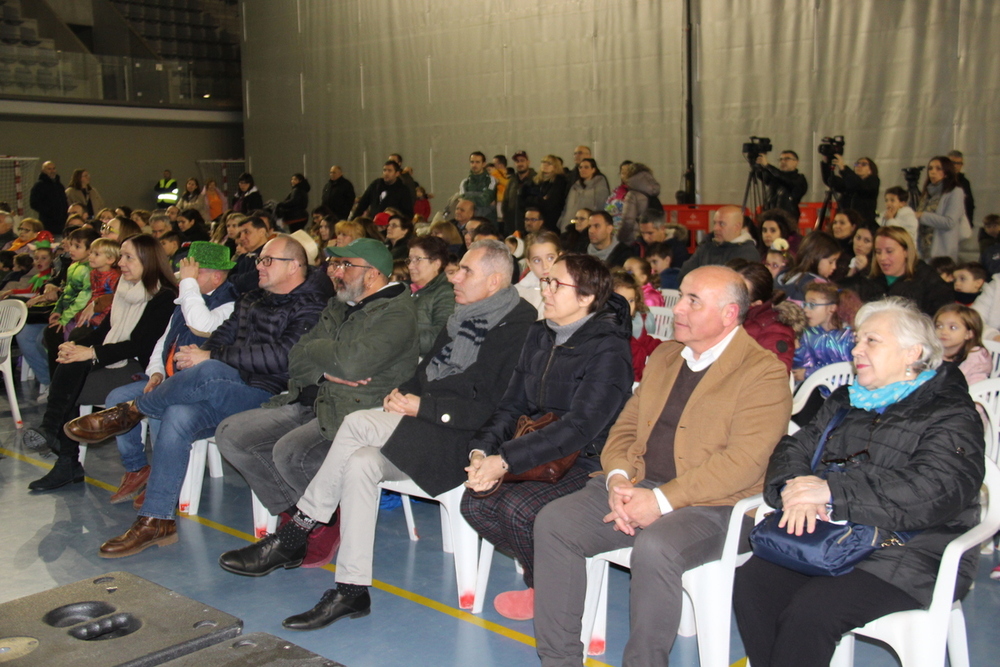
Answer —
735 417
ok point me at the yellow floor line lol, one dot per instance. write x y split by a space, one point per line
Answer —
381 585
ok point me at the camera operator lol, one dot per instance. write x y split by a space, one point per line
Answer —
856 188
785 185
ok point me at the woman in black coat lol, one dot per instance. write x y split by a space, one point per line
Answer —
908 456
247 198
294 209
896 271
576 364
107 357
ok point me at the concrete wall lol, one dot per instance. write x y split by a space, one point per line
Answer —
124 159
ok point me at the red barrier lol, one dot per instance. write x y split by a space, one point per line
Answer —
698 218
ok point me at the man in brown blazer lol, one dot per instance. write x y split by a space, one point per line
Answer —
693 440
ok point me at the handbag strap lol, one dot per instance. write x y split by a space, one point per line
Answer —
834 422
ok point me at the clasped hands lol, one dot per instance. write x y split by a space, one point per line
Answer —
804 500
631 506
484 471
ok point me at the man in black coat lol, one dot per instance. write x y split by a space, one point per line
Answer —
48 198
385 192
421 433
338 194
785 185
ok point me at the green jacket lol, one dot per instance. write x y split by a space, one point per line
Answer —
76 293
378 342
435 304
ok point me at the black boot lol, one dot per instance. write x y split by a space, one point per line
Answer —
66 471
39 440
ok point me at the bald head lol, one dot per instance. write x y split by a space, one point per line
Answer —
335 172
714 300
464 210
49 169
727 224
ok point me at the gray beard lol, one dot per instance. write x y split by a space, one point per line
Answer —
350 293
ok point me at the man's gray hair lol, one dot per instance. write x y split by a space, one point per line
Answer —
655 216
496 258
737 292
159 215
910 326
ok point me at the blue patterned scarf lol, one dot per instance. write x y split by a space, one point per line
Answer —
883 397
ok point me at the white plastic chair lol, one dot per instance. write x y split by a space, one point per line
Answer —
707 601
987 394
13 314
920 637
831 377
993 347
663 321
263 521
202 451
670 297
457 536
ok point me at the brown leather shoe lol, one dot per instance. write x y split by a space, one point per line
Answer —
139 500
131 485
144 533
99 426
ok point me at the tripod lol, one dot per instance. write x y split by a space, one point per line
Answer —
821 218
754 192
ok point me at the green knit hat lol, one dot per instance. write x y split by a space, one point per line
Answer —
210 255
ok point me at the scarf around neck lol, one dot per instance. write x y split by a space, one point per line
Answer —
883 397
127 306
468 327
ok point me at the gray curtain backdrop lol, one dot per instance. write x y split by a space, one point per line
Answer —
349 81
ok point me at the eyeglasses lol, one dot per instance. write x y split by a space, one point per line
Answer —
861 163
857 457
417 260
106 227
527 219
335 264
552 284
266 261
810 305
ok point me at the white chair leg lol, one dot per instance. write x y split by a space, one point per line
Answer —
593 629
465 542
958 641
483 577
518 567
8 380
688 626
84 410
447 539
263 521
26 372
190 498
844 655
411 527
214 460
710 609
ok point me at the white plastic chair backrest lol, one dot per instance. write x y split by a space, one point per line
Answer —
663 322
670 297
993 347
831 377
13 314
987 394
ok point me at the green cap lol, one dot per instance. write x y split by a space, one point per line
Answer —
372 251
210 255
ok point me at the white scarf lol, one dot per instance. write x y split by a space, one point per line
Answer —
127 307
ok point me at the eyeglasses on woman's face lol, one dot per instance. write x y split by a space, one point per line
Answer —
552 284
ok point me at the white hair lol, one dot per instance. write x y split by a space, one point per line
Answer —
910 326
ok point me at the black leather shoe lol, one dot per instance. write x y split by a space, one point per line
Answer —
333 606
262 558
63 472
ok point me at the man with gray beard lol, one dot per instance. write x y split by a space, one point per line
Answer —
364 345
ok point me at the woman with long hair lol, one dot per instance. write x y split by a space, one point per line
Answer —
192 226
590 191
193 197
107 357
81 192
941 210
643 188
247 198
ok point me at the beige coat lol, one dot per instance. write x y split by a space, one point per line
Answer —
733 420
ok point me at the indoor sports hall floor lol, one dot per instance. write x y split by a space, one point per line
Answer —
51 539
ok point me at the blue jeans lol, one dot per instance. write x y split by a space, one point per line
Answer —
130 446
190 405
29 340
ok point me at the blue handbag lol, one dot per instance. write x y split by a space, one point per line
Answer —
832 549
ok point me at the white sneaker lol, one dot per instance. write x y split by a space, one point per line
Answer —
43 393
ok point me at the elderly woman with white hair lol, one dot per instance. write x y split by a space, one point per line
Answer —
905 454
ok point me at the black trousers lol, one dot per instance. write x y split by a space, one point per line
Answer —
787 619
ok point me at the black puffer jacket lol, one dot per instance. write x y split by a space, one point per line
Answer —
295 207
585 382
432 447
256 338
926 467
925 288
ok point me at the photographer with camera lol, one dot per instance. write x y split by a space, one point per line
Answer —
785 185
855 188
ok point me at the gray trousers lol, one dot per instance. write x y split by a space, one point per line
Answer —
570 529
349 477
277 450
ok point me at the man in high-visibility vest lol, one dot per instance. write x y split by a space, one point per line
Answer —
166 190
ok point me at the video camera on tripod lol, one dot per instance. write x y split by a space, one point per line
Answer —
831 146
912 176
756 147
